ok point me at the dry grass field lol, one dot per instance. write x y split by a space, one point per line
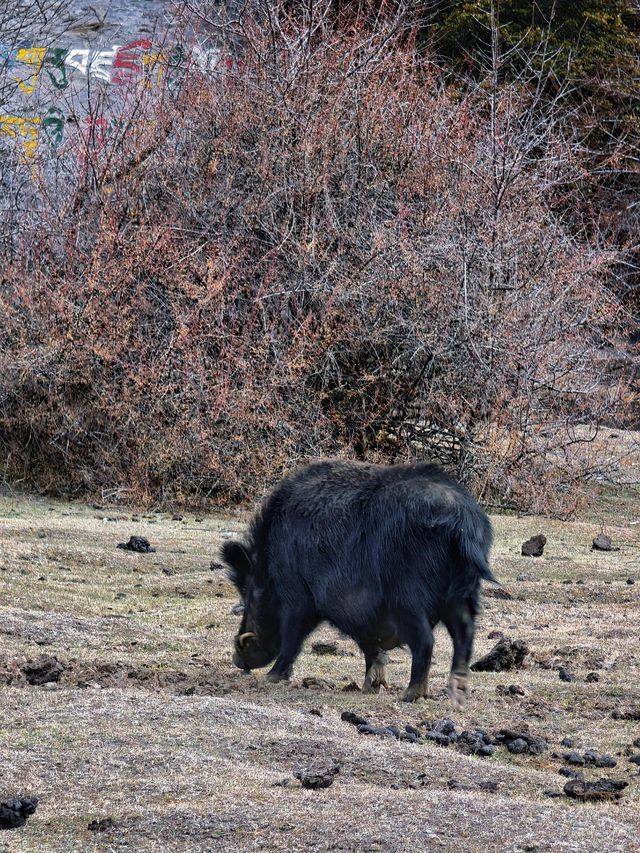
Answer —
149 723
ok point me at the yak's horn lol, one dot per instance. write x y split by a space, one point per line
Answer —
242 638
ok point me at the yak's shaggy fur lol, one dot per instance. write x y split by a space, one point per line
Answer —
383 553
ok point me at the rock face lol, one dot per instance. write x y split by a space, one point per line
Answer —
318 774
600 791
535 546
505 655
14 813
138 544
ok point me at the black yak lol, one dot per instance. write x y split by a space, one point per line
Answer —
384 553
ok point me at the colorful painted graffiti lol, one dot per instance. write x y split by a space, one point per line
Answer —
42 75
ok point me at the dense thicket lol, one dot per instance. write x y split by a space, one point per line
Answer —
323 249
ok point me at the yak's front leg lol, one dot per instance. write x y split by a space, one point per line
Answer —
376 674
461 625
294 628
420 641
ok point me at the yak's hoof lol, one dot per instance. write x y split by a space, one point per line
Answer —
457 690
414 692
275 678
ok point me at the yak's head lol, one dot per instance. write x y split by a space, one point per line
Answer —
257 642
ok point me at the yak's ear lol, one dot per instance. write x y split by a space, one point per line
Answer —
240 564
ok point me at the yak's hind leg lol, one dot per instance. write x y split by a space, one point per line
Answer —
376 674
461 625
419 637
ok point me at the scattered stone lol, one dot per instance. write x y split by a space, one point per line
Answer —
320 648
103 824
438 737
505 655
495 635
632 713
602 790
138 544
535 744
571 773
518 746
476 743
318 683
635 759
552 794
353 718
602 542
316 712
574 758
445 727
567 741
535 546
215 566
14 812
43 670
510 690
380 731
282 783
630 581
636 742
591 677
565 674
318 774
351 687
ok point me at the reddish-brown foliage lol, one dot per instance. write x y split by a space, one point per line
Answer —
320 251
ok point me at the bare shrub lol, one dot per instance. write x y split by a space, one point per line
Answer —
316 249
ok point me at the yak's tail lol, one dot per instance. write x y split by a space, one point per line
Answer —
474 542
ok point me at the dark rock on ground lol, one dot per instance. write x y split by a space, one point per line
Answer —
636 742
567 741
439 738
632 713
518 746
320 648
445 727
14 812
535 546
535 745
602 790
571 773
505 655
351 687
565 674
381 731
495 635
574 758
476 743
630 581
592 757
509 690
602 542
169 572
43 670
552 794
635 759
353 718
591 677
102 824
318 774
138 544
215 566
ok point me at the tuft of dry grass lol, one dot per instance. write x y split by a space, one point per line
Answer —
152 726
